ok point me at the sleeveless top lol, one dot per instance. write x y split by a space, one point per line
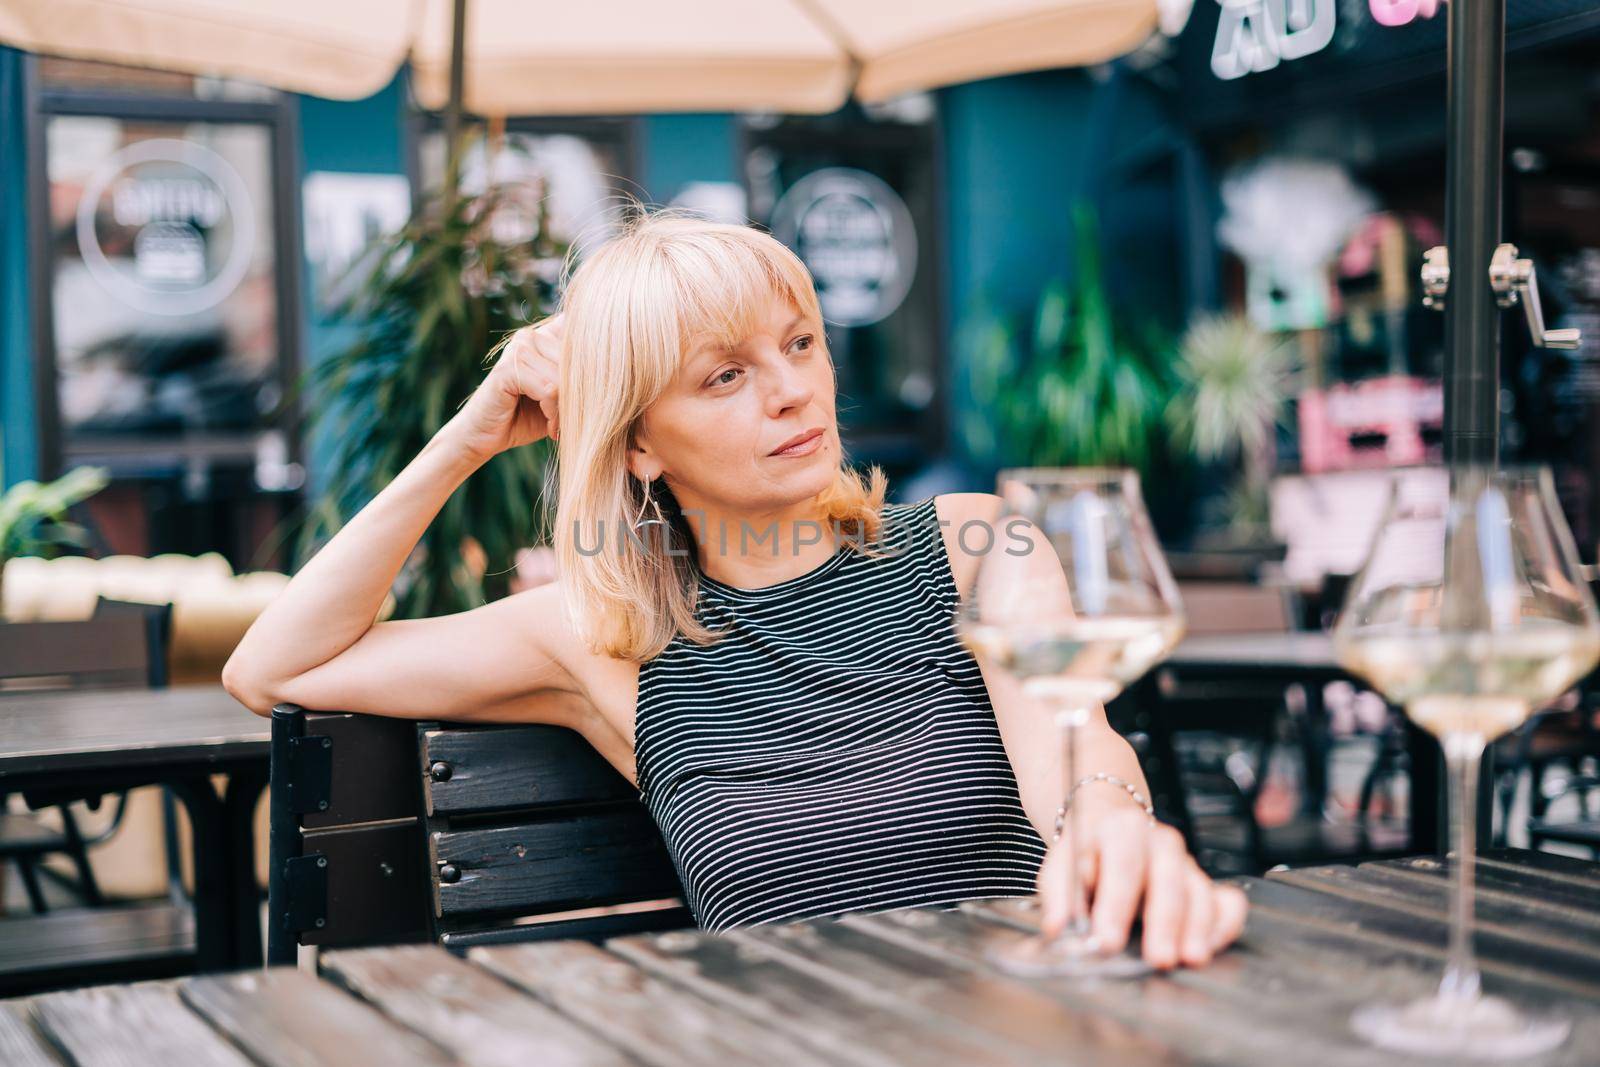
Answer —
836 751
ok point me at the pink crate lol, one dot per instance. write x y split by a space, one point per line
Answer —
1374 423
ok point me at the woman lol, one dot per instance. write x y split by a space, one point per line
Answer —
741 625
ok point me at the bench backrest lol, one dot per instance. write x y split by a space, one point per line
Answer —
389 830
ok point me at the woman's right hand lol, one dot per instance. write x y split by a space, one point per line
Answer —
515 404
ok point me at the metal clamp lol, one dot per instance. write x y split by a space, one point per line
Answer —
1514 280
1435 277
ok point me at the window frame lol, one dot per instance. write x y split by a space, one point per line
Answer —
280 117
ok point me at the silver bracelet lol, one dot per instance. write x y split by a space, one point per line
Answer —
1101 776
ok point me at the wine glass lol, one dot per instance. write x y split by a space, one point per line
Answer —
1471 612
1074 601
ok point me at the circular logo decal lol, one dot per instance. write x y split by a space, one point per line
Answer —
175 218
855 235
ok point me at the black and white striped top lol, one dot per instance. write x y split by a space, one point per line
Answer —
837 750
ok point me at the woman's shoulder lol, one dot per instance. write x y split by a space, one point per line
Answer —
966 521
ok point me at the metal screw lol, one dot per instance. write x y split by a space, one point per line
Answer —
388 871
440 771
322 805
449 873
327 742
321 923
322 861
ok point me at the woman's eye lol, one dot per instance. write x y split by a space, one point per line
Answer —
808 341
723 379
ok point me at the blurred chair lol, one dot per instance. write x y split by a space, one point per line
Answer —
1558 751
125 645
1232 726
1562 738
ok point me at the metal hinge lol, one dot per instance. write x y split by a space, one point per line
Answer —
306 878
309 783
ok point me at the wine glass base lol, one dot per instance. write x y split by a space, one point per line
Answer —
1064 956
1488 1028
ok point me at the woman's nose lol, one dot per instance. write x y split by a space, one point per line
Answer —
790 388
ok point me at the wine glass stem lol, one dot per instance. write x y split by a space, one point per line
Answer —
1463 753
1069 716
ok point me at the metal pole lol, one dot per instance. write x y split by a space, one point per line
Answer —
455 105
1474 128
1476 88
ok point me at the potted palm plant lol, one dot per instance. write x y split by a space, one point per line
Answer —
436 296
1235 382
33 516
1076 386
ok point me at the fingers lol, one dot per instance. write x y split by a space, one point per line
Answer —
1227 921
533 358
1166 897
1054 893
1194 945
1123 863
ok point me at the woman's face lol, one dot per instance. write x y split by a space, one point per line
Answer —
717 436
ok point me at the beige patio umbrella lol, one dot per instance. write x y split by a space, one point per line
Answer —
552 57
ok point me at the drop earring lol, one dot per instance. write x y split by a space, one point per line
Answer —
641 522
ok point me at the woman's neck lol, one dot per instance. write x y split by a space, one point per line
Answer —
754 549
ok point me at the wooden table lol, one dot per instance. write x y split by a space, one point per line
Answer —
899 988
116 739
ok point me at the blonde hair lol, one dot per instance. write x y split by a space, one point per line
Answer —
667 279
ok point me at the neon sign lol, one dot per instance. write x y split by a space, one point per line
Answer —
1255 35
1400 12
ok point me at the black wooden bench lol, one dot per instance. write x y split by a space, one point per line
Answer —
390 830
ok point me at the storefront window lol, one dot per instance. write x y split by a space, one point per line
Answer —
163 284
163 355
855 196
580 169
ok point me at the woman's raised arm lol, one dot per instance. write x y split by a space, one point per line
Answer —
317 643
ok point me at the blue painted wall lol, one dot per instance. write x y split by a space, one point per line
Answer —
681 148
355 136
1018 152
19 456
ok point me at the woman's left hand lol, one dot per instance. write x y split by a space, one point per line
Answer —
1132 869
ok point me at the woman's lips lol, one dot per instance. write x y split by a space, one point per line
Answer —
803 448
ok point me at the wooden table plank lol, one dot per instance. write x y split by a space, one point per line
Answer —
1504 928
84 728
1356 971
750 979
20 1044
656 1022
1419 930
284 1017
475 1016
995 1008
1301 982
1544 868
1227 1022
132 1026
1565 901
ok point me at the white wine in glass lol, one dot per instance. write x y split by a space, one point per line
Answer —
1472 613
1076 607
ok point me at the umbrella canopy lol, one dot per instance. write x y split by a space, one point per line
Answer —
602 57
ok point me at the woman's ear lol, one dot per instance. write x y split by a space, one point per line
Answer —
642 463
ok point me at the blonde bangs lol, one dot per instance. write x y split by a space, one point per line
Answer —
666 285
